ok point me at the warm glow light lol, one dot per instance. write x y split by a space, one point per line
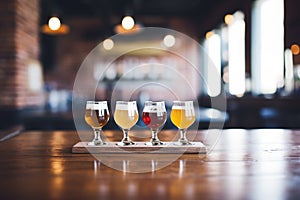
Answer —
228 19
54 23
209 34
128 22
295 49
120 30
169 40
108 44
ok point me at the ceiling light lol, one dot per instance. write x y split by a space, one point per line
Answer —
295 49
108 44
128 22
55 27
128 26
228 19
54 23
209 34
169 40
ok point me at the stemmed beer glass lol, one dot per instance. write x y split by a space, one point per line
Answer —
182 116
96 116
154 116
126 116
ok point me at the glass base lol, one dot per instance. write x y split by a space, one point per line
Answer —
96 143
154 143
183 142
125 143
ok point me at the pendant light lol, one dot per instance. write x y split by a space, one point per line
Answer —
55 27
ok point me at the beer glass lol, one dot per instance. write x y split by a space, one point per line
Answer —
96 116
182 116
126 116
154 116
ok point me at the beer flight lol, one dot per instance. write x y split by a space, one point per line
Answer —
126 116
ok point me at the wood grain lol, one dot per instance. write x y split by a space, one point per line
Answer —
245 164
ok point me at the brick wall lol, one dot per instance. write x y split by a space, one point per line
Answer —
19 46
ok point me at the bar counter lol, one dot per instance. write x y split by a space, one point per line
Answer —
245 164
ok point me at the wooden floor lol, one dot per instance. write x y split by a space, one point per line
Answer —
244 164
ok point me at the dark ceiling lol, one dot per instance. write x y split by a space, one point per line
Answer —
205 14
136 7
200 12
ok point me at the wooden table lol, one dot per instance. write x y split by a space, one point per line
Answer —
245 164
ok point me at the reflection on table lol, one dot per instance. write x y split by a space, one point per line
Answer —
245 164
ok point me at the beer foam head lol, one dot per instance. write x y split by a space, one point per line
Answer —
154 107
96 105
183 105
187 106
126 105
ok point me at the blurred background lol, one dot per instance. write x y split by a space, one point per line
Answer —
253 44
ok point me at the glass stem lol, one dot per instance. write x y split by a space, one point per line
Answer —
154 135
154 139
97 136
126 132
183 140
126 140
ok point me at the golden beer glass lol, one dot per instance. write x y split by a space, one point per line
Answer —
183 116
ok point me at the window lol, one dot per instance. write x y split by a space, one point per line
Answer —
267 46
236 54
212 65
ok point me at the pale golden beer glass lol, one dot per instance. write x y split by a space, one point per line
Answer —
126 116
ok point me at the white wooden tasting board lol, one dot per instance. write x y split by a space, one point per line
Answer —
140 147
